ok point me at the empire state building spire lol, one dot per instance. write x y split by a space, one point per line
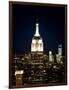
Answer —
37 30
37 42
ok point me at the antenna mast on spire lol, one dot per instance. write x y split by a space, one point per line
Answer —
37 27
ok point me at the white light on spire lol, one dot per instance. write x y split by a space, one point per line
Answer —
37 30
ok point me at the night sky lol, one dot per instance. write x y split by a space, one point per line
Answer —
51 27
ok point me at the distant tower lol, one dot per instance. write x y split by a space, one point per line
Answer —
59 55
37 43
60 50
50 56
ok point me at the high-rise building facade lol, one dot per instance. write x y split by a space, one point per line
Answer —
60 50
37 43
51 59
59 55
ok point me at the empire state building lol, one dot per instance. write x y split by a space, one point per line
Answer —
37 43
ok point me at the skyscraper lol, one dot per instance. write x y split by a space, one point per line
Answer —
60 50
59 55
51 57
37 43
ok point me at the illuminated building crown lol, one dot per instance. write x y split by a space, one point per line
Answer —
37 43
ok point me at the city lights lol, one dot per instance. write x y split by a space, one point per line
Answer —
37 66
